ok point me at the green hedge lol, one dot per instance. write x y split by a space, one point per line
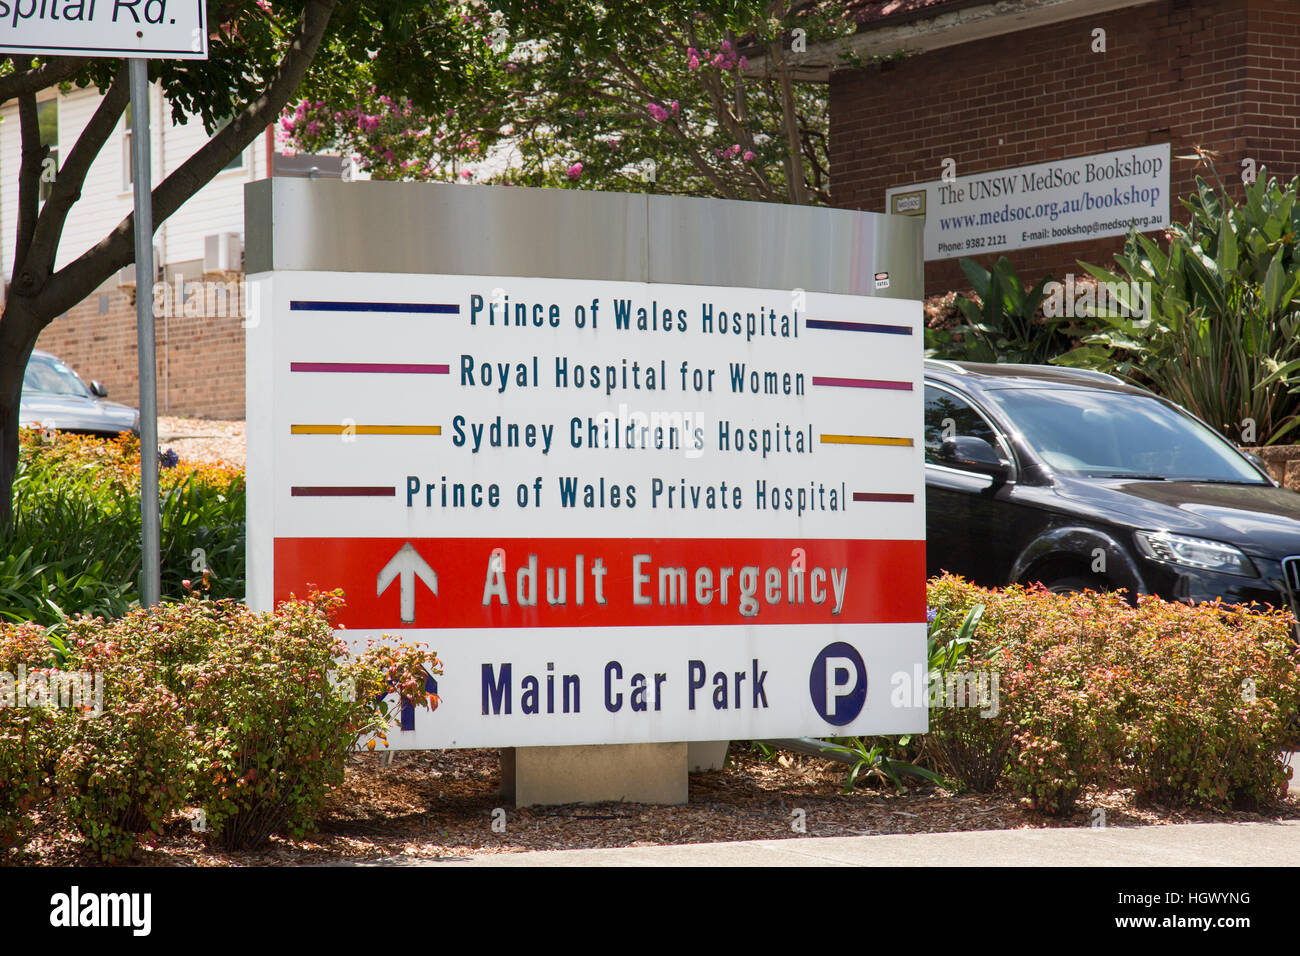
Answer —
1186 705
246 717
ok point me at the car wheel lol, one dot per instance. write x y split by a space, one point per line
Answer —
1073 585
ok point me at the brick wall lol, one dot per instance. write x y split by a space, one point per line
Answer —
200 355
1222 74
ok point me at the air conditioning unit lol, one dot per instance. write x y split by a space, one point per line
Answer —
223 252
126 274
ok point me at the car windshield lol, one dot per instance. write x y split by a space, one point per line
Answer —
47 376
1089 433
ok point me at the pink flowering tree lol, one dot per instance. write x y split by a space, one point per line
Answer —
692 98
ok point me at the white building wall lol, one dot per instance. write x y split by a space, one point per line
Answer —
106 196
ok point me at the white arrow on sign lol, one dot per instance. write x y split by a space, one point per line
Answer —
407 564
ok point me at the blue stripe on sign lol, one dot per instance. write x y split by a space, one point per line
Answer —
309 305
857 327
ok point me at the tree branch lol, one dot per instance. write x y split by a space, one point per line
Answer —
701 165
24 81
76 280
29 177
67 186
794 157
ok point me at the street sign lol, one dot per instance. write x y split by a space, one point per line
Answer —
144 29
620 512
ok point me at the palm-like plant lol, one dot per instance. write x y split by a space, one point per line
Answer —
1214 325
1005 325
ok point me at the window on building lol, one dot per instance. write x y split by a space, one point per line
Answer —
47 121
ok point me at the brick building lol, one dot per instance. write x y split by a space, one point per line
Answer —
1018 82
200 349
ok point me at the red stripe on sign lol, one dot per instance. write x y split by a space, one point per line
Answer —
787 581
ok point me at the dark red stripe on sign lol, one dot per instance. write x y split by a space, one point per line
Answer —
831 325
786 581
880 496
343 491
394 368
862 383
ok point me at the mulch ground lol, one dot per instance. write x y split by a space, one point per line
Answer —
441 803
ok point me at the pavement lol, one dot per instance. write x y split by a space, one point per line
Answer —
1275 843
1271 843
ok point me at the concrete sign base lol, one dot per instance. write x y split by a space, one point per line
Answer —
599 773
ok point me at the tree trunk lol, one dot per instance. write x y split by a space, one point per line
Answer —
16 343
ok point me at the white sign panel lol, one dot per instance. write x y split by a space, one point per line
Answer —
620 512
1065 201
148 29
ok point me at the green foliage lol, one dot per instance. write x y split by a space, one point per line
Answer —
877 758
651 96
74 544
1004 325
946 649
249 716
1189 705
273 703
962 743
1217 323
121 773
1214 710
27 734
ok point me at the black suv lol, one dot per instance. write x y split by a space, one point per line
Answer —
1077 480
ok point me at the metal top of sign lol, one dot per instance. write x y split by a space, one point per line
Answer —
145 29
448 229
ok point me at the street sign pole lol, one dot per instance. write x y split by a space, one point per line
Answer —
150 586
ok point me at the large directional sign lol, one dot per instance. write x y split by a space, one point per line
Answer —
147 29
619 511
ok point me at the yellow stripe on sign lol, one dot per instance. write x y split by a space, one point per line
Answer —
865 440
365 429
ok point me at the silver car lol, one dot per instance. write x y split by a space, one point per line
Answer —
54 396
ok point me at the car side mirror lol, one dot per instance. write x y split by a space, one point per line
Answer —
99 390
973 454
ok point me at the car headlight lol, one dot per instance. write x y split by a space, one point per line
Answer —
1189 552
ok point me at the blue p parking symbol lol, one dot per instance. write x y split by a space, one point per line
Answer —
838 683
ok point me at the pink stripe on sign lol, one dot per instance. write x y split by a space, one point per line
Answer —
396 368
862 383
